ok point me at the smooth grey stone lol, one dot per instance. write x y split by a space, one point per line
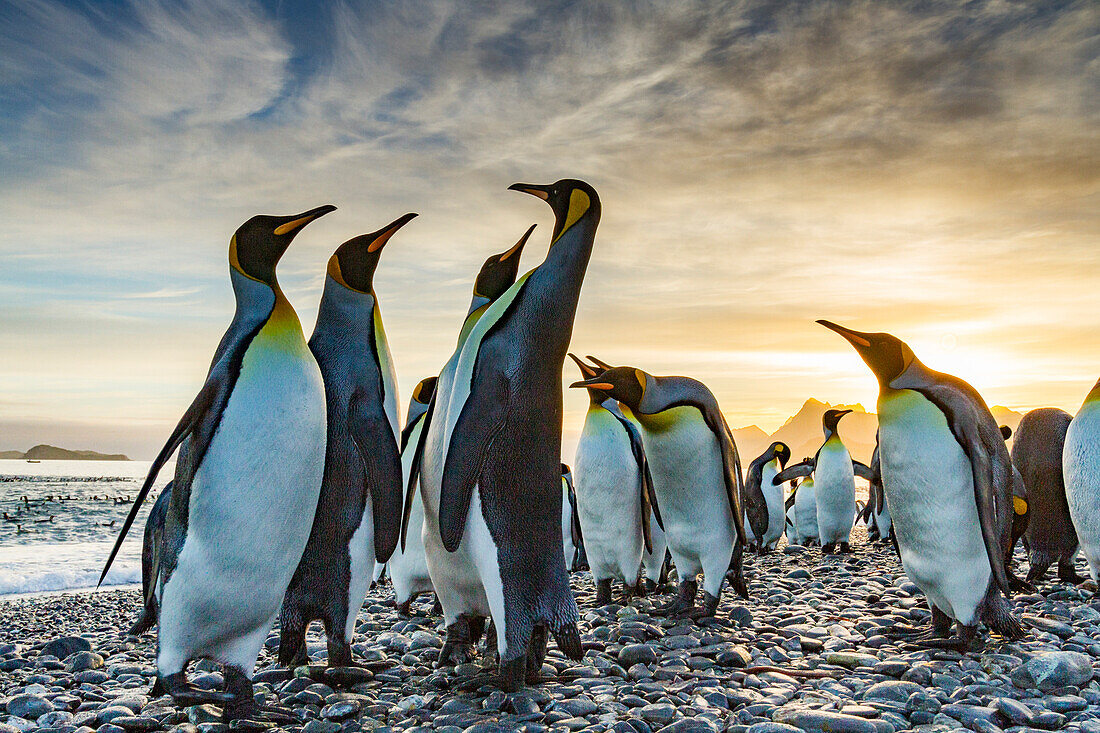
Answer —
1051 670
341 710
81 661
63 646
637 654
29 706
321 726
967 714
658 713
1013 710
773 728
1050 720
690 725
822 721
577 706
893 690
137 723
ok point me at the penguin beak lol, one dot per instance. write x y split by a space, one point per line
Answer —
591 383
296 222
597 362
857 339
586 371
543 192
519 245
380 241
842 413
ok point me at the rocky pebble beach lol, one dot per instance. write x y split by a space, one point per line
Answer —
67 665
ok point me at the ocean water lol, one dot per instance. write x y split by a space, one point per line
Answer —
60 520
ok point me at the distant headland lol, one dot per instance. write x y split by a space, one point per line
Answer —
53 453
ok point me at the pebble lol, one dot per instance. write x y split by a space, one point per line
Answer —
1052 670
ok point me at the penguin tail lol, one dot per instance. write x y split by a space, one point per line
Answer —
568 638
998 617
146 620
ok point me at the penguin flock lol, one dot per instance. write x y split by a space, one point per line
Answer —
296 485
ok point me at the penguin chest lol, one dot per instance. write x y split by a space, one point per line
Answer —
805 510
835 491
255 493
608 488
930 494
686 464
773 497
1081 466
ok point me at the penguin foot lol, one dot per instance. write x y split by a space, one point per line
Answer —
707 610
536 654
603 592
1068 574
512 674
650 587
437 607
845 548
685 601
828 548
629 592
184 694
1018 585
404 608
458 649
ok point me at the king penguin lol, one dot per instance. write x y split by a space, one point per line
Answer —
834 472
762 470
358 515
248 476
805 512
1081 468
614 493
497 274
408 568
948 482
1049 534
490 473
696 478
572 538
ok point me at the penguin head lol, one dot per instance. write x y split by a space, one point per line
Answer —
588 372
354 262
565 469
260 242
571 200
781 451
626 384
886 355
499 271
1006 432
830 419
424 390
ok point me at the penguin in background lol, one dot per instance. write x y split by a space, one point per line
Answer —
948 481
614 493
696 478
805 513
490 474
656 562
1021 516
571 534
834 471
358 515
251 457
878 512
762 471
408 568
1049 535
1081 470
150 559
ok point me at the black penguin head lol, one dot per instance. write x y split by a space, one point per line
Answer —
260 242
354 262
626 384
830 419
781 451
1006 432
886 355
565 469
499 271
570 199
424 390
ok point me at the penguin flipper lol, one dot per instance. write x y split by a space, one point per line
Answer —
575 532
960 408
414 468
862 470
154 539
372 434
649 496
199 421
482 417
798 470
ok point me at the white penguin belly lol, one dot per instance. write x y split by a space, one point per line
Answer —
688 478
409 567
608 488
930 493
250 513
791 527
1081 466
835 493
773 497
805 513
454 575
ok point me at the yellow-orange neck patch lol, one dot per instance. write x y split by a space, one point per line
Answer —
578 205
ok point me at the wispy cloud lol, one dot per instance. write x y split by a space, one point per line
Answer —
926 168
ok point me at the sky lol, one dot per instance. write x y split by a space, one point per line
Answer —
931 169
